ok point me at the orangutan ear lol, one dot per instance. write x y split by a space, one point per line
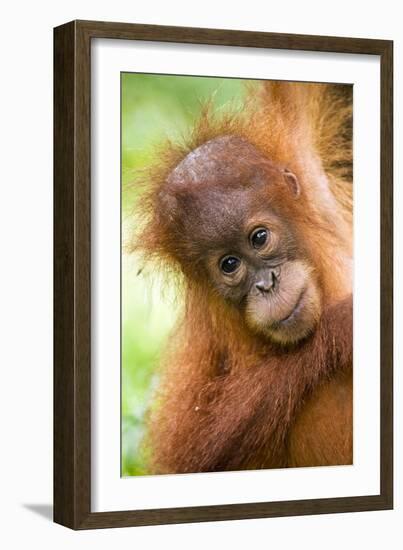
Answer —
292 182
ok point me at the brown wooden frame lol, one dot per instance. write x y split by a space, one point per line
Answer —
72 296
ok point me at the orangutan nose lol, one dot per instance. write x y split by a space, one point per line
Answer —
267 282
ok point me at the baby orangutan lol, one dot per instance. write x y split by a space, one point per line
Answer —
256 218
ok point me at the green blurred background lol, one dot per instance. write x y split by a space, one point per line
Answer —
153 107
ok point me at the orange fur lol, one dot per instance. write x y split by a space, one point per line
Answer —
229 398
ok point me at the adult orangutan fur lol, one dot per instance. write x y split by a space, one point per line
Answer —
254 215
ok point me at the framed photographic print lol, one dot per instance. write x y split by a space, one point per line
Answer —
222 275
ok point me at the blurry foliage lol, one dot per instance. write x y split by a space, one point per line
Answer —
153 107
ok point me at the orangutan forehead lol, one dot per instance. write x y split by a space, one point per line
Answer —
216 189
218 211
218 217
224 160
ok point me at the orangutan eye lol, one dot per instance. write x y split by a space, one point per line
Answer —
230 264
259 237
